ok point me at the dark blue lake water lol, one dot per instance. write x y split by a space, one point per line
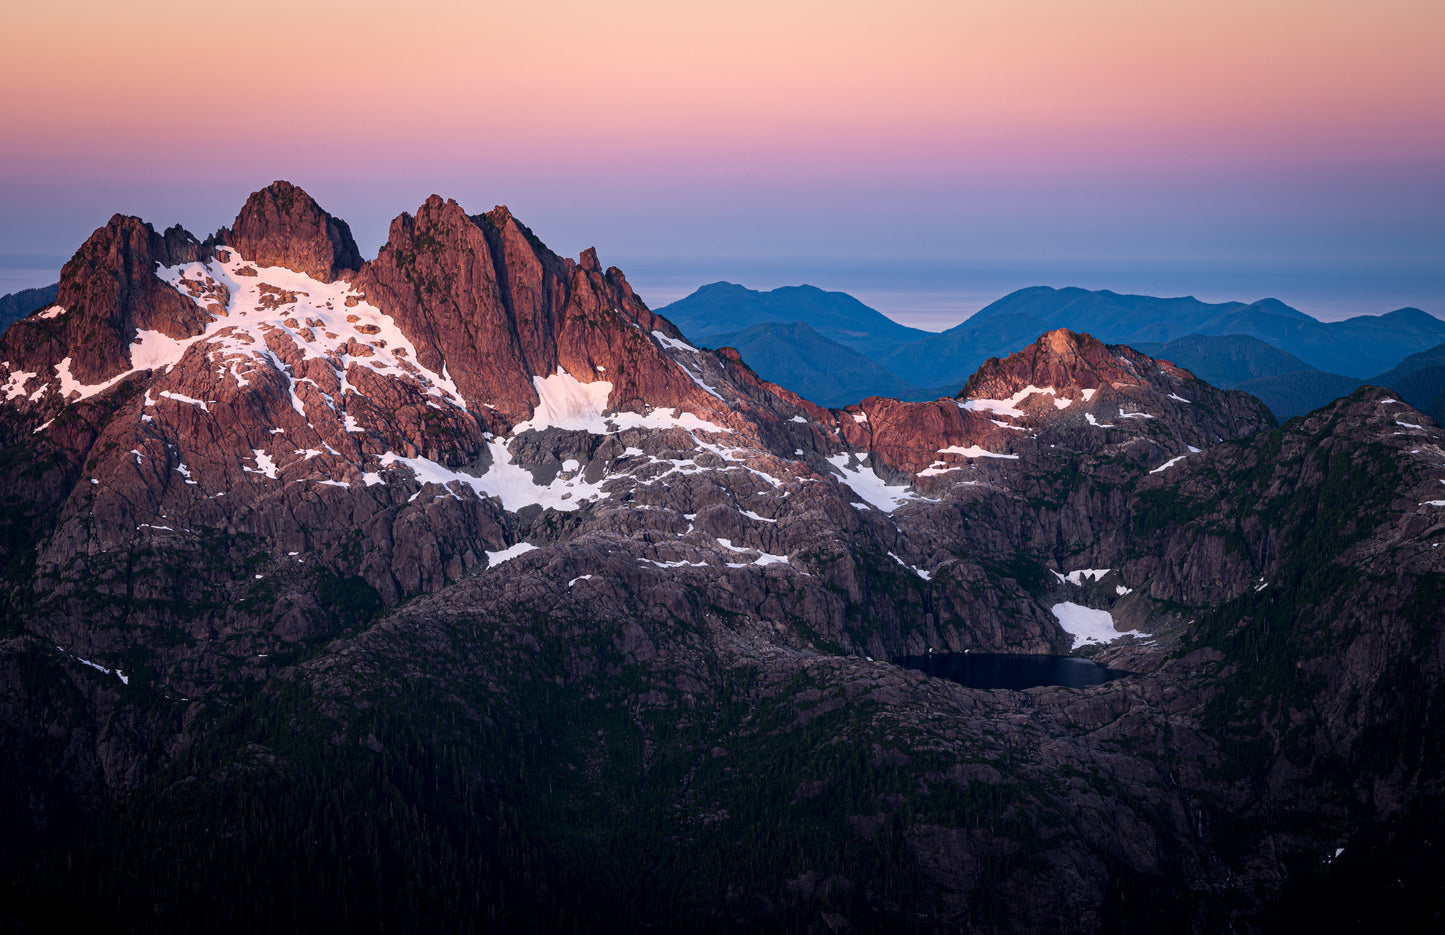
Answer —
1010 670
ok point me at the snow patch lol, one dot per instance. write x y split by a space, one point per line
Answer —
869 486
1077 576
925 575
1009 407
672 344
510 552
264 464
973 451
69 385
322 320
567 403
506 481
54 311
178 397
764 558
15 386
124 679
1169 464
1088 626
680 563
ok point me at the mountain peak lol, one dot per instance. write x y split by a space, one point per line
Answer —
281 225
721 287
1059 358
1064 343
1276 307
110 291
1411 313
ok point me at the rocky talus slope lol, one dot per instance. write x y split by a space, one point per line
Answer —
455 588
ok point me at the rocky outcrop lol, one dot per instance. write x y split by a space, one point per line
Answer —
281 225
1064 391
108 291
1081 368
1060 358
484 299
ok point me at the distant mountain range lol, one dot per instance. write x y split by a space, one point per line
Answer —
725 308
17 305
833 349
835 375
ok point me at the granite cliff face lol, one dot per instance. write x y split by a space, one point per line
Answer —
468 521
283 226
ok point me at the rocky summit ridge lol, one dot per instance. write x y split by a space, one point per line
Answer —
278 514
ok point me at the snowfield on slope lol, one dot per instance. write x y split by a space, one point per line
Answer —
1087 626
866 483
249 305
564 402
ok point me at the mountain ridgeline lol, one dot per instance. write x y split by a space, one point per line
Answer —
17 305
457 589
1286 358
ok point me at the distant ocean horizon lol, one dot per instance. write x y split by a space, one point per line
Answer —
936 294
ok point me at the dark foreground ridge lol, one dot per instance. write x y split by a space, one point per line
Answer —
455 589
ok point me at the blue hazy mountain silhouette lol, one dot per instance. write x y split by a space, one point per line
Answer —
1290 360
724 308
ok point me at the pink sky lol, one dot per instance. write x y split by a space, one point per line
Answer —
1060 126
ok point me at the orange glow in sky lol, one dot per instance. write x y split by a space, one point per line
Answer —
947 127
571 83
